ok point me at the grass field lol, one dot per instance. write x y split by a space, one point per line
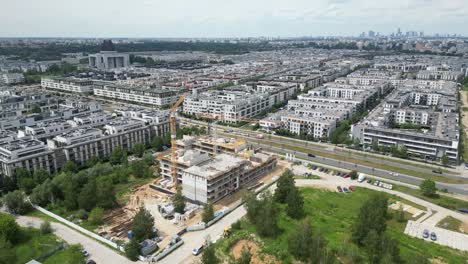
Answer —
451 223
33 245
333 214
65 255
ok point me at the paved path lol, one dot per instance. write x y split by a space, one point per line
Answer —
444 237
97 251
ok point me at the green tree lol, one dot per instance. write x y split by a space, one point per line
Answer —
375 145
267 216
445 160
209 255
372 216
16 202
372 245
87 196
9 229
142 225
70 167
394 151
36 109
96 215
140 169
353 174
157 143
25 180
284 185
7 184
245 256
403 152
7 255
208 213
252 205
149 159
138 150
105 197
428 188
179 201
92 161
40 176
118 156
295 204
132 250
300 241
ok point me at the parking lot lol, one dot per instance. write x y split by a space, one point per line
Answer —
444 237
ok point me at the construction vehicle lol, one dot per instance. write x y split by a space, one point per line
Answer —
227 232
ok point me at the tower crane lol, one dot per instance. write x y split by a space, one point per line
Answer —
172 124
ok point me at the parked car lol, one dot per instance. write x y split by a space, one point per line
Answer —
339 189
463 210
433 236
314 167
326 170
437 171
196 251
345 189
346 175
352 188
311 155
85 253
91 262
321 169
338 173
369 181
425 233
376 183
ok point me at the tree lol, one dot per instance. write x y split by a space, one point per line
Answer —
300 242
284 185
25 180
394 150
70 167
36 109
428 188
142 225
375 145
179 201
372 244
96 215
87 196
16 202
252 205
295 204
45 228
209 255
9 229
403 152
157 143
138 150
105 197
7 255
353 174
208 213
245 256
118 156
372 216
7 184
132 250
92 161
267 220
445 160
140 169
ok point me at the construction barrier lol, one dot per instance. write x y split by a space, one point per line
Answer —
166 251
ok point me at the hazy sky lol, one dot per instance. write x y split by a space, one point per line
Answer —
227 18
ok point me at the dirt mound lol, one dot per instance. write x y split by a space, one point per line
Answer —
252 247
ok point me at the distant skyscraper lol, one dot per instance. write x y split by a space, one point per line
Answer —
371 34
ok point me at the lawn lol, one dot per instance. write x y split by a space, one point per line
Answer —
333 214
451 223
441 200
67 255
33 244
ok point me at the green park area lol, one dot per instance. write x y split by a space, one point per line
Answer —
333 227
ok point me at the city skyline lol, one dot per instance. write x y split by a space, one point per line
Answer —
207 18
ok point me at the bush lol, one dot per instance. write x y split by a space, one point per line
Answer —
236 225
96 215
46 228
132 250
16 203
82 214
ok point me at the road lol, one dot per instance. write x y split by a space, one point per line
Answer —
97 251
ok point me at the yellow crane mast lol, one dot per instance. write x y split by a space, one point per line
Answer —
172 124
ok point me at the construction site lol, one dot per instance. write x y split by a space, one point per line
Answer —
208 169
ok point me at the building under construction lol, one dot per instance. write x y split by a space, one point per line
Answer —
209 169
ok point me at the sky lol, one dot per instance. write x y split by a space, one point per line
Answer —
228 18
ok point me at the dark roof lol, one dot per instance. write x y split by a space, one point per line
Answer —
107 45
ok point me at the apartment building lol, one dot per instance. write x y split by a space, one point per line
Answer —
148 96
70 85
228 106
440 75
109 60
11 78
423 118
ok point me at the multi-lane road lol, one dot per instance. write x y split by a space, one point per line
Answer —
272 143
